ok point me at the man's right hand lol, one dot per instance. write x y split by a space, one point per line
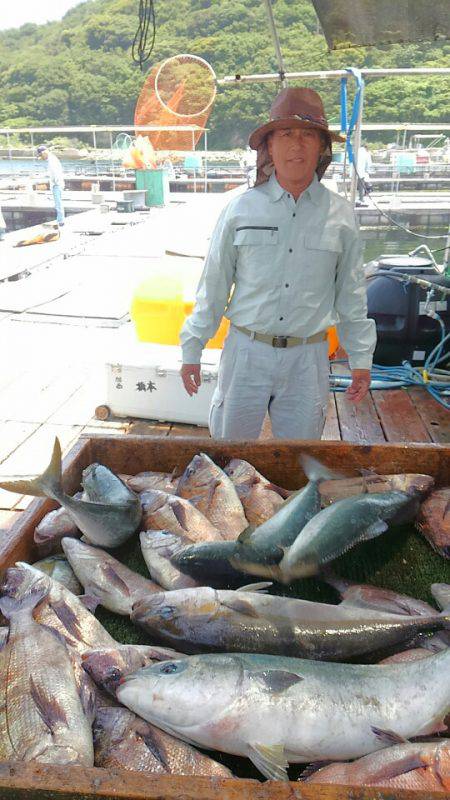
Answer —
190 375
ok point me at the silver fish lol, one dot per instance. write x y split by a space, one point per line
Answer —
124 741
61 610
209 620
41 715
371 482
144 481
418 765
276 710
52 528
258 551
60 570
105 579
108 522
213 493
162 511
108 665
158 549
339 527
259 497
364 595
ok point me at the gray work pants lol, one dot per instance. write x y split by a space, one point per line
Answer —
291 384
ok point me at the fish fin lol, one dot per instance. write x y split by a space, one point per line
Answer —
179 512
374 530
211 492
67 618
241 606
315 471
270 760
388 737
245 534
277 680
50 711
112 574
90 601
88 696
30 487
155 747
13 605
261 587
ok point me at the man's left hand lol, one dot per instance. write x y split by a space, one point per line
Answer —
359 386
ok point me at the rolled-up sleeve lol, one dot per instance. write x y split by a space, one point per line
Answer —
357 334
213 291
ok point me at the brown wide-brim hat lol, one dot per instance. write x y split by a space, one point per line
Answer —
295 107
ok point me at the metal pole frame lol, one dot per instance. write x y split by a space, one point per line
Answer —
356 146
276 42
332 73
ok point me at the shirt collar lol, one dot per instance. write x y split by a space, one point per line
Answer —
276 192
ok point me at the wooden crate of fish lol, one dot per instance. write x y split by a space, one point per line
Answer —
220 567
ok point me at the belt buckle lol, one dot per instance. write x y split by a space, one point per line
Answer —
279 341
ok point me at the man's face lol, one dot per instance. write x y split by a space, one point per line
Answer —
44 155
295 152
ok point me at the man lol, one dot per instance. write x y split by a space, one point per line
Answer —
291 250
56 176
363 168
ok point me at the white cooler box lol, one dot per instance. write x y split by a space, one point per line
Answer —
147 384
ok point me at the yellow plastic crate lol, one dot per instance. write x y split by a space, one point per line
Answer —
159 308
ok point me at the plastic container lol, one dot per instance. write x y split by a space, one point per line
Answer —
156 184
147 384
161 304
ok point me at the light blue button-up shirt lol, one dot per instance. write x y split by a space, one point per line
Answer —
284 268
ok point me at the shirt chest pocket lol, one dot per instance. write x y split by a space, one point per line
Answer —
322 251
256 253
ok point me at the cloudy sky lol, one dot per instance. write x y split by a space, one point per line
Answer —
15 13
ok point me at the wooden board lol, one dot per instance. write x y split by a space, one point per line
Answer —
434 416
359 423
279 461
19 781
332 431
399 417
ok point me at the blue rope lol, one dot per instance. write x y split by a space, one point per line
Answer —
405 374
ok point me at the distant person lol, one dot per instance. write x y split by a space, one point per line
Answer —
2 227
56 175
363 168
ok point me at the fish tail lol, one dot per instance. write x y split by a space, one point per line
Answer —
315 471
46 485
10 606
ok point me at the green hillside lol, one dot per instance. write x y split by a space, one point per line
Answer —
79 71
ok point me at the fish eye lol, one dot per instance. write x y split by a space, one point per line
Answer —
167 669
114 674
